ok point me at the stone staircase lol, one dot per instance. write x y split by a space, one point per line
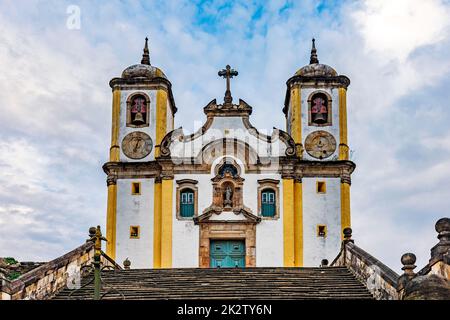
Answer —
246 283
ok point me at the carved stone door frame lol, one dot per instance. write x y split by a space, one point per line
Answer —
226 230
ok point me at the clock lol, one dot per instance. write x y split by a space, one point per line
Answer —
137 145
320 144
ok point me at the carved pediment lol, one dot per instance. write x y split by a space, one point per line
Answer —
213 109
227 131
208 215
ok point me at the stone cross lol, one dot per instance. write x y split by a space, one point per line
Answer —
228 73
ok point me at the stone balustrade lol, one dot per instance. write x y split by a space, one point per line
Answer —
46 280
379 279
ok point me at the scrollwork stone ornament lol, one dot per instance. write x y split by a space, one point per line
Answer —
111 180
346 179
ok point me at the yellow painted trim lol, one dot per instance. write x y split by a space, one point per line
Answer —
166 223
298 224
114 151
111 216
343 143
288 222
296 118
345 207
161 119
157 226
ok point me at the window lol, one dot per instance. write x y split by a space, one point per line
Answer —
321 187
134 232
135 188
321 230
187 199
268 208
187 203
268 199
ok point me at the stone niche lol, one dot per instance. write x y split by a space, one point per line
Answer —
228 231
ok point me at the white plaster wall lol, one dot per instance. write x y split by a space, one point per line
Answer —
135 210
185 234
321 209
333 129
124 130
269 233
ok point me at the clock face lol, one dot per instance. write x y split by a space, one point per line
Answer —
320 144
137 145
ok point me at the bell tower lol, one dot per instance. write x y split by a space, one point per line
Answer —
142 113
316 118
143 110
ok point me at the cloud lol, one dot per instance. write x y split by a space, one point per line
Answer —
55 103
394 29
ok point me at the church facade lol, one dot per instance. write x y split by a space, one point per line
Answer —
227 195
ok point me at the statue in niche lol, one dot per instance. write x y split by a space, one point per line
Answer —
319 109
228 197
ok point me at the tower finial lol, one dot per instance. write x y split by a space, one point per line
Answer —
146 55
313 58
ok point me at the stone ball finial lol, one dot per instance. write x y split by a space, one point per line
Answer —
347 233
408 259
92 231
439 251
443 225
126 264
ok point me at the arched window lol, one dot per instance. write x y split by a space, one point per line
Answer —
268 205
138 114
319 109
187 207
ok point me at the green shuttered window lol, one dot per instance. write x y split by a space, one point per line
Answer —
187 203
268 203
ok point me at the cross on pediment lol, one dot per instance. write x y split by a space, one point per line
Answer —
228 73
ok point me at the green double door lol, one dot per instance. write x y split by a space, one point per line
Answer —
227 254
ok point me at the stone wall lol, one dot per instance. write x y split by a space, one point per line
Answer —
442 269
43 282
379 279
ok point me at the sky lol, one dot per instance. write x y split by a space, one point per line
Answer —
57 57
